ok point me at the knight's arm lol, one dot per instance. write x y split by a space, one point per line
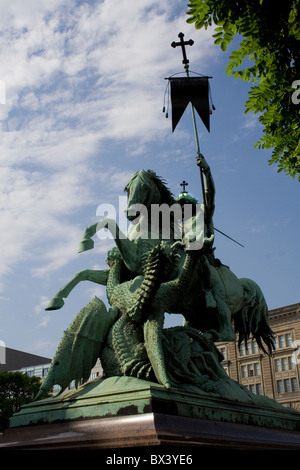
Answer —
210 190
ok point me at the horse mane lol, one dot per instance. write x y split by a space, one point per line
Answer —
149 177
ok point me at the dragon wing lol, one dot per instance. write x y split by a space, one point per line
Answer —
80 346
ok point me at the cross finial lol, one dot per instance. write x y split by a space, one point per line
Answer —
184 184
183 43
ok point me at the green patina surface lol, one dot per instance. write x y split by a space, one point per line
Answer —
119 396
177 370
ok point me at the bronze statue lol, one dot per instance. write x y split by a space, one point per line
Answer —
147 278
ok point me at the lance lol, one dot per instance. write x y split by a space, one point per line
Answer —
185 62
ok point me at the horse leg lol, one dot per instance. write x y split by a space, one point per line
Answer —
128 248
99 277
226 331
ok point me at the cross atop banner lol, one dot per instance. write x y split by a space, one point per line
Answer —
182 44
185 90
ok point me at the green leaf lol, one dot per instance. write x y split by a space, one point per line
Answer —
191 20
272 43
199 24
218 35
229 67
218 41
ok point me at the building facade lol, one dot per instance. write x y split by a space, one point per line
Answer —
14 360
276 376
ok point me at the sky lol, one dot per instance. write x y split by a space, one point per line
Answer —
84 89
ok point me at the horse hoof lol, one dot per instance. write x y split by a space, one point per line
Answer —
85 245
55 304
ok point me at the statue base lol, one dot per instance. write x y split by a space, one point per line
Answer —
122 412
152 432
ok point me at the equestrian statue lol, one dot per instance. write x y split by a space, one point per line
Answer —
151 273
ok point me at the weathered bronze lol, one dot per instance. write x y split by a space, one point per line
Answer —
148 277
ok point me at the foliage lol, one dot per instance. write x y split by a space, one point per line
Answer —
269 57
16 389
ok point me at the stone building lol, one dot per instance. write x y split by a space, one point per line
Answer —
276 376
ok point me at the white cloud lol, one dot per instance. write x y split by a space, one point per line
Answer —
250 121
44 322
38 309
76 75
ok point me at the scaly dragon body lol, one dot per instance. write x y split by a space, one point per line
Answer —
136 336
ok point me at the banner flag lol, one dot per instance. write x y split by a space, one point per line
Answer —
192 90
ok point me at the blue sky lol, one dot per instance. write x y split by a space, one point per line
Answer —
84 94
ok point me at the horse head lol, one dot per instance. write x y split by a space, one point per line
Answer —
144 189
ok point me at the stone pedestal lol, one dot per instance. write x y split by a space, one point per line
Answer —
149 430
122 412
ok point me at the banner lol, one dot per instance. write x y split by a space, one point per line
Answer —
192 90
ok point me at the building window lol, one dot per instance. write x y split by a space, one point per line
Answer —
287 385
250 370
256 388
251 347
294 384
223 351
94 375
283 341
284 363
280 386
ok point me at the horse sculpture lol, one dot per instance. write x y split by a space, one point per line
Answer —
148 277
143 189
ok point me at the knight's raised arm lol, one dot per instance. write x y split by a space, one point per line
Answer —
202 163
210 190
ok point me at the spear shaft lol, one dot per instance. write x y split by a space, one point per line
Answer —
185 61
